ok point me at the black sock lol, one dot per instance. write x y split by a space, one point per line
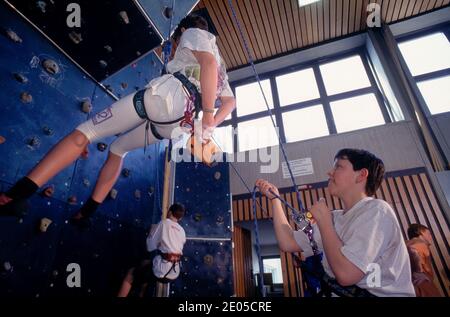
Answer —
23 189
89 207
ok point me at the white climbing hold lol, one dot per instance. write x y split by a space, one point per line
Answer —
124 16
217 175
86 106
50 66
13 36
75 37
25 97
45 222
113 193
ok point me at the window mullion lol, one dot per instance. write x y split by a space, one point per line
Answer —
277 109
325 101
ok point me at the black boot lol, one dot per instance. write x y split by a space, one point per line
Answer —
82 219
19 194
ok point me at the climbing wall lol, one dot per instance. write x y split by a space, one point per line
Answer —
207 261
39 107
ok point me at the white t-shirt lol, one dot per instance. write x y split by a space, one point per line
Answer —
184 61
371 239
169 237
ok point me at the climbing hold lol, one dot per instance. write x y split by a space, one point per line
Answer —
75 37
137 194
101 146
7 267
72 200
13 36
124 17
197 217
41 5
220 220
217 175
138 53
151 190
126 172
220 280
168 12
2 140
103 64
55 273
86 182
45 222
86 106
50 66
20 78
25 97
208 259
47 130
48 191
108 48
124 85
34 142
113 193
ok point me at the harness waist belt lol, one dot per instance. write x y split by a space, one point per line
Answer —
171 257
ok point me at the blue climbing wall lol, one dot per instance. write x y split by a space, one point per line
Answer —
34 263
207 255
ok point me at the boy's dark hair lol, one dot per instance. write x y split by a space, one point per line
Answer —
177 210
415 230
190 21
363 159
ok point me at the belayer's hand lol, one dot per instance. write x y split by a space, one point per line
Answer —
265 188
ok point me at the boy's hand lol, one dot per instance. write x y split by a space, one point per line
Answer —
265 187
320 211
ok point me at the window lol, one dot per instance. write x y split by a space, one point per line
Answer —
426 54
344 75
428 59
274 266
249 98
356 113
297 87
436 93
322 98
255 134
305 124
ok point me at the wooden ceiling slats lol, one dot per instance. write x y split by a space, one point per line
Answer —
297 27
278 24
267 27
284 23
358 14
274 27
290 9
320 23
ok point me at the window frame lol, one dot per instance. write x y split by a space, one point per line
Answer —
323 99
441 28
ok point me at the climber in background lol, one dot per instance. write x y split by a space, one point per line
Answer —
148 115
162 263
